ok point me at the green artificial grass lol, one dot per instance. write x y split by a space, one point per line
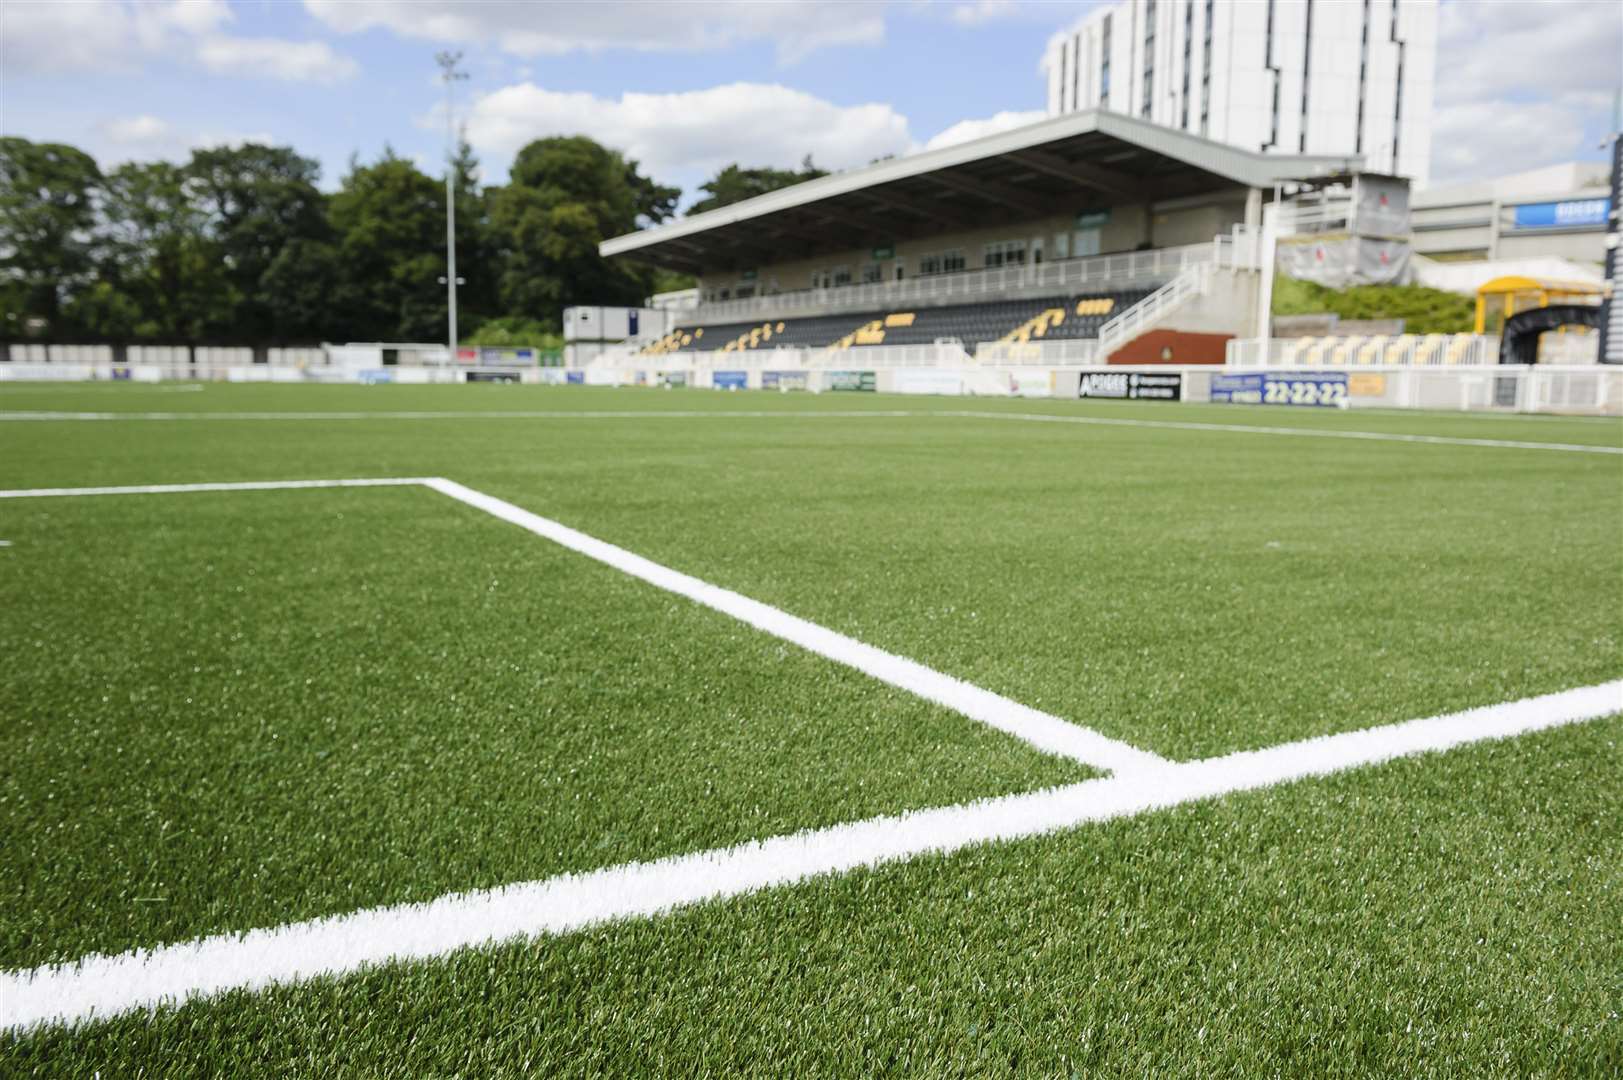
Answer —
233 710
1451 915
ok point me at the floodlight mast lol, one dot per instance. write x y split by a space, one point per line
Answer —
450 74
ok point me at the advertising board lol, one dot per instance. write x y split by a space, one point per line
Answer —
852 380
783 380
1130 386
1320 389
730 380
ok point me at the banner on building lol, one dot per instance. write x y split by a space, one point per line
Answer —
730 380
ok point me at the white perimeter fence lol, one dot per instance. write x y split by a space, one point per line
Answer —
1594 389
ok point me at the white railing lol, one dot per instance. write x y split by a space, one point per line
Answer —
1075 352
1398 350
1153 308
867 357
1101 271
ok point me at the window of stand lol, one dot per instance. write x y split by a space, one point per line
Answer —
942 262
1004 253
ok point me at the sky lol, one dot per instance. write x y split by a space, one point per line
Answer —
685 87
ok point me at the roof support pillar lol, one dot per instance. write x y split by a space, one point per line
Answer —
1253 208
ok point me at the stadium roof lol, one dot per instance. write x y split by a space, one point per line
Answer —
1055 166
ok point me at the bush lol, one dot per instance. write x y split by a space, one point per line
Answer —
516 330
1423 310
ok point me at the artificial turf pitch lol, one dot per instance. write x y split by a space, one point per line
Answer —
231 710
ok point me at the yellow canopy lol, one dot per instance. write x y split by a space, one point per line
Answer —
1499 299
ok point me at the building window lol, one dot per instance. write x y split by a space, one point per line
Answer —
872 273
1363 81
941 262
1104 64
1206 73
840 275
1268 62
1005 253
1397 108
1145 105
1307 82
1062 245
1188 54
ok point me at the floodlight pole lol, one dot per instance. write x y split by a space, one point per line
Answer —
450 75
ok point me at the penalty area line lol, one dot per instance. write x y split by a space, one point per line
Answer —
99 987
1047 733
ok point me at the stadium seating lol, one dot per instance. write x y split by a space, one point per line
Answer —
1382 349
1050 319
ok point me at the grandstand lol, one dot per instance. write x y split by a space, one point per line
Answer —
1051 234
1008 321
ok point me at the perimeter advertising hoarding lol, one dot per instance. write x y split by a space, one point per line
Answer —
730 380
1130 385
783 380
494 357
1320 389
852 380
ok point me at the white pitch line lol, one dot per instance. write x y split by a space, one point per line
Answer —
491 414
243 485
98 987
757 414
1257 429
1039 729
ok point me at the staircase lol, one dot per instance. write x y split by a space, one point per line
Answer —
1153 310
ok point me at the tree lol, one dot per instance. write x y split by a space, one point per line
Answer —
390 220
735 184
48 198
565 196
158 253
258 200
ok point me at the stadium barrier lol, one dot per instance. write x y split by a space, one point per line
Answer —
1595 389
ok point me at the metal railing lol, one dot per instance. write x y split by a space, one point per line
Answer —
1102 271
945 354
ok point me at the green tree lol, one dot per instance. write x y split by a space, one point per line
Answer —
565 196
735 184
158 252
258 200
48 199
390 220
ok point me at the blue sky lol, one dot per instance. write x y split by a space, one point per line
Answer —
685 86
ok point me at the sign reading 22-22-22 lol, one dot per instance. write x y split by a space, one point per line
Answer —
1325 389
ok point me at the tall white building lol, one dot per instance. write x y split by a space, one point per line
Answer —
1288 76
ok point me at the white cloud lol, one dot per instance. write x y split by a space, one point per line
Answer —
290 61
696 131
51 37
796 28
136 130
146 138
981 11
1521 85
968 130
